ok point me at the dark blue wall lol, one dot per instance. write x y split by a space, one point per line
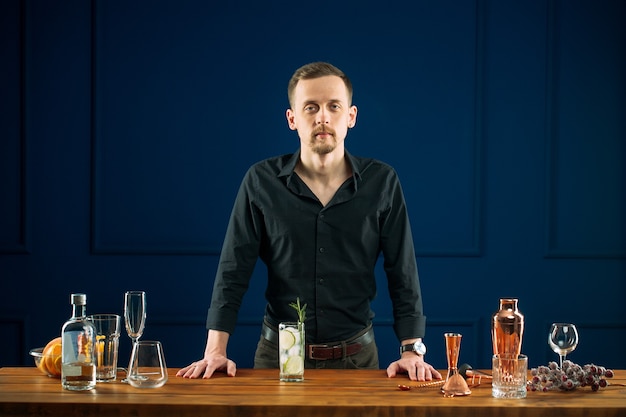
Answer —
125 128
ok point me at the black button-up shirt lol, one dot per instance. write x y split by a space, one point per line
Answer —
323 254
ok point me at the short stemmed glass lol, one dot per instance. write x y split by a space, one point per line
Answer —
563 339
134 316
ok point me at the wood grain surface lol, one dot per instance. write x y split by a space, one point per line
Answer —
328 393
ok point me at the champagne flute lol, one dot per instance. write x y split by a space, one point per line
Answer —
563 339
134 316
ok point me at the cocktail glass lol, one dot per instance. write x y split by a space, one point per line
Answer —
291 343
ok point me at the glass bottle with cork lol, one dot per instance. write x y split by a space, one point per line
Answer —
78 369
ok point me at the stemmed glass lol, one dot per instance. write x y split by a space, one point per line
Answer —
134 316
563 339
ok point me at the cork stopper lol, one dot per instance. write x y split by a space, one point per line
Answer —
78 299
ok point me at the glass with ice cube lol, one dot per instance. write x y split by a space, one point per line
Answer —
291 343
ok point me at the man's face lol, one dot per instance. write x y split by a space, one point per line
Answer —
321 113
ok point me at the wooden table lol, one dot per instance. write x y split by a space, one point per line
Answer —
328 393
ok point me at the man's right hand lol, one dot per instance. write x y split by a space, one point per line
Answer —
215 358
205 368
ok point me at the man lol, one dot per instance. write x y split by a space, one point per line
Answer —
319 220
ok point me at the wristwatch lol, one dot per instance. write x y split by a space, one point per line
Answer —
417 347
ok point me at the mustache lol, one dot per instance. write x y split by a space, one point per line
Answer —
323 129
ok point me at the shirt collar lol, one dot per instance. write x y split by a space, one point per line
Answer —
290 166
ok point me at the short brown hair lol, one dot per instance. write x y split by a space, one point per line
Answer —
317 70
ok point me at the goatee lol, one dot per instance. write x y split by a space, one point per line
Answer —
323 147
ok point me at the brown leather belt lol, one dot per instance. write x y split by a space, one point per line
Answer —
324 351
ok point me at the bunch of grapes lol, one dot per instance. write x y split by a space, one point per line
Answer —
571 376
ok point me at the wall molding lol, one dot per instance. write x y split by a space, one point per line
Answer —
478 175
551 247
474 248
605 327
21 245
20 338
97 246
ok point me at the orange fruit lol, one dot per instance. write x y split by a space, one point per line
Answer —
41 365
57 365
100 344
51 360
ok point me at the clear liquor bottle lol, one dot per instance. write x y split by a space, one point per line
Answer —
78 369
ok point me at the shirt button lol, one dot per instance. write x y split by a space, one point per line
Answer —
321 280
321 249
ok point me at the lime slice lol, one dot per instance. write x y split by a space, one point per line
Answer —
286 339
294 365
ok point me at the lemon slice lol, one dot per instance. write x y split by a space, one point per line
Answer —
294 365
286 339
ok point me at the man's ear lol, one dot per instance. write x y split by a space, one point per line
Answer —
353 112
291 119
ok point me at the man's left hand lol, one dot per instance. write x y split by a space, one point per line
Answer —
414 366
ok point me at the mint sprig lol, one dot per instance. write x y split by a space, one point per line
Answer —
300 309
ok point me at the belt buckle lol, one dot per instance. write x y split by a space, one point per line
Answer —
310 351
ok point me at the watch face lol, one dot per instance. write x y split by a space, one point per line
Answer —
420 348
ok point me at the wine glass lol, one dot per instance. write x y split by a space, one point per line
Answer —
563 339
134 316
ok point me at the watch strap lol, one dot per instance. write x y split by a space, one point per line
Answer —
421 350
407 348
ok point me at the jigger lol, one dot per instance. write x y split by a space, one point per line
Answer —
455 384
